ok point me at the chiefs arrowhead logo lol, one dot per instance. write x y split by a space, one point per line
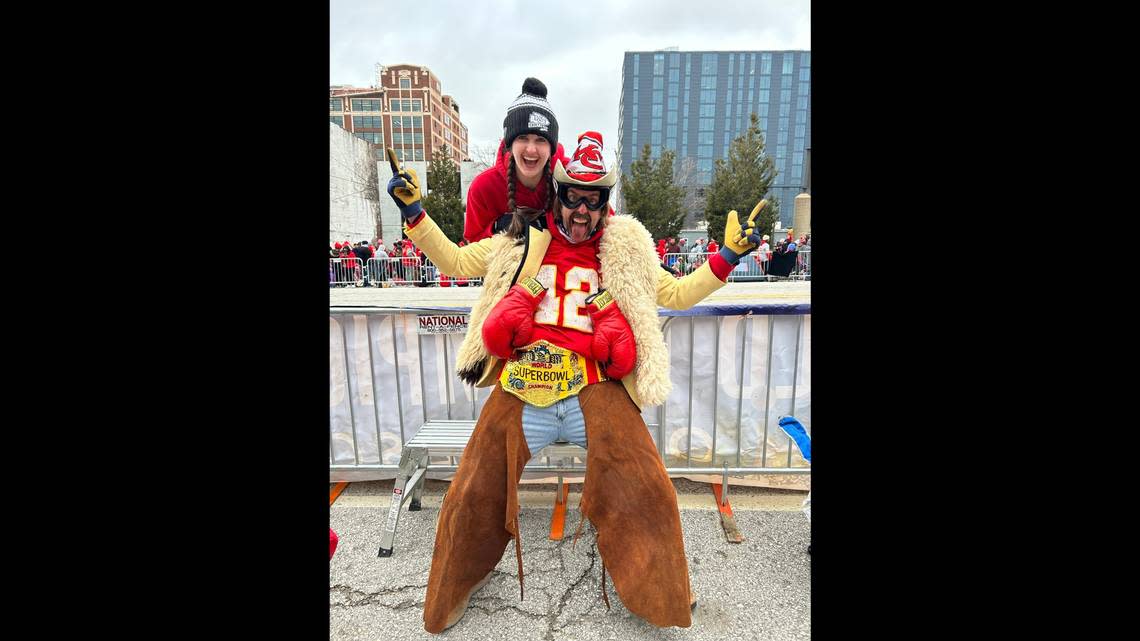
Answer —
588 157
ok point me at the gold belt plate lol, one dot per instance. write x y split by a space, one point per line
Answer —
543 373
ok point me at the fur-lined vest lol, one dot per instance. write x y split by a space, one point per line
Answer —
630 270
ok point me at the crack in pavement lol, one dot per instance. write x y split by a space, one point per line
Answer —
507 578
489 611
357 598
492 604
402 605
552 618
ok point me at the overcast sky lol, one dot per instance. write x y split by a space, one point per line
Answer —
482 51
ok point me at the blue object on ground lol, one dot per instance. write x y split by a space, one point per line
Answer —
798 434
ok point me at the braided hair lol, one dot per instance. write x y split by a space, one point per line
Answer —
511 183
521 219
548 178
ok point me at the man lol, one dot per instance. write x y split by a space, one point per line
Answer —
762 254
790 243
672 250
568 333
364 252
380 252
697 254
410 263
344 266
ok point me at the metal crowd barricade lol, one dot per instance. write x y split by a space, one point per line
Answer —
749 269
682 262
374 270
387 271
387 380
761 258
345 272
696 260
443 280
803 265
439 279
395 271
400 271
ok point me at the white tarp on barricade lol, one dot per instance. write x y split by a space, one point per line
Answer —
386 379
732 402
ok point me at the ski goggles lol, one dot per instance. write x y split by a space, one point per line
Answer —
595 199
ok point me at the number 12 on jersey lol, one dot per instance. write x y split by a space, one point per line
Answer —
569 310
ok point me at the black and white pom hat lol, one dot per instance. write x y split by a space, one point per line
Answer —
530 113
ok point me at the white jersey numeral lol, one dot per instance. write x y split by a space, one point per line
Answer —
547 312
573 312
572 305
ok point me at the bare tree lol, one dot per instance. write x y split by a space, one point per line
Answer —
483 155
368 172
685 177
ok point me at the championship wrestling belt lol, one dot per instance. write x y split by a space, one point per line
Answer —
543 373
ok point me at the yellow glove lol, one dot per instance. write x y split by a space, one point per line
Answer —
404 188
742 240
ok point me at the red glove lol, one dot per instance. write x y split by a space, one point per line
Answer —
511 323
613 346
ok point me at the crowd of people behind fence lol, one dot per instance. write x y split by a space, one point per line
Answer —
680 258
401 264
413 268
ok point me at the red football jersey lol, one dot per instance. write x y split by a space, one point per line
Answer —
570 274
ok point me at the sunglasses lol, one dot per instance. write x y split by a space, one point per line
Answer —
594 200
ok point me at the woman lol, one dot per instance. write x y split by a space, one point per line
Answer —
521 176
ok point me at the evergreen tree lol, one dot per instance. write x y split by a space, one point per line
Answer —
651 196
443 201
740 182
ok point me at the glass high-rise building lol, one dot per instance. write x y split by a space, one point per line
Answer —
696 102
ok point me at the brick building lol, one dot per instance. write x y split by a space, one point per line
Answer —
406 110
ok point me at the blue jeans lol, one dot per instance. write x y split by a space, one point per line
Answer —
561 421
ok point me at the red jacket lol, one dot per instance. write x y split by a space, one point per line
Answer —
409 255
487 196
711 247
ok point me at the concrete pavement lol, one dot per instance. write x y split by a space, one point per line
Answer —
758 589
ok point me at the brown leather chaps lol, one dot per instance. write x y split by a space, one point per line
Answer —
627 496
